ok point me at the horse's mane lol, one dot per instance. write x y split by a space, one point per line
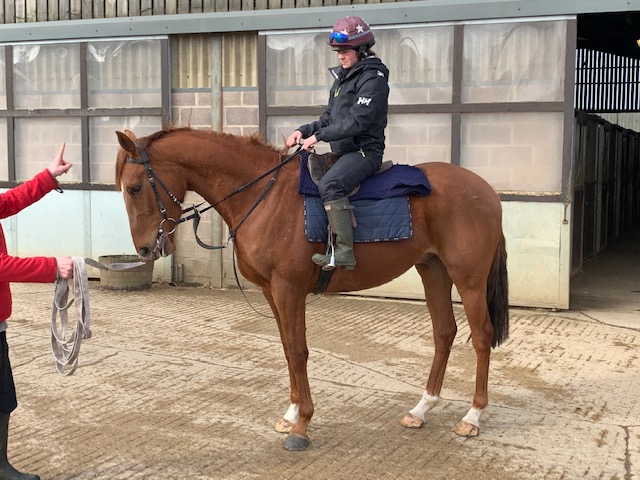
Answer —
233 141
238 141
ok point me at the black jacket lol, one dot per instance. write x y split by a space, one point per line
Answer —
356 114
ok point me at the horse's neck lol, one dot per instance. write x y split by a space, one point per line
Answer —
218 176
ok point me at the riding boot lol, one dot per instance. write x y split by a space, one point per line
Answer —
339 214
7 472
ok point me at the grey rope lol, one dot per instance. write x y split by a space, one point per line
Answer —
66 348
65 344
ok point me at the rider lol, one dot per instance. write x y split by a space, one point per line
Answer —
353 123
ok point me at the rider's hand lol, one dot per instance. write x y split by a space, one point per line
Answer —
309 142
59 165
65 267
294 139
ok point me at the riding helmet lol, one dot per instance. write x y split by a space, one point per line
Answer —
351 33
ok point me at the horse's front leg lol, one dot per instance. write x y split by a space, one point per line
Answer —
290 418
289 301
288 304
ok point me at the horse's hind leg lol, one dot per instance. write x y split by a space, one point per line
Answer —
474 301
437 286
290 418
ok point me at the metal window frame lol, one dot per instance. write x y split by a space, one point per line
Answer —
84 113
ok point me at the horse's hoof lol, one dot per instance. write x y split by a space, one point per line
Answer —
411 421
284 426
296 443
465 429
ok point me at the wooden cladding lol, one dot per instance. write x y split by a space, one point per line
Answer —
21 11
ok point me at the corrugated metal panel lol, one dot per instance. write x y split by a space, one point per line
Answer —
191 61
240 52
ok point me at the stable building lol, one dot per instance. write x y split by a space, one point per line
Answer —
539 98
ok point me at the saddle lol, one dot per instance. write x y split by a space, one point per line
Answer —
381 204
319 164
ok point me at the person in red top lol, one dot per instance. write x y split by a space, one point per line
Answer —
16 269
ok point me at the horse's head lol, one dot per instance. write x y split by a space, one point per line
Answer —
151 195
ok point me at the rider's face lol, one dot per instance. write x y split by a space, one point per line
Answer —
348 58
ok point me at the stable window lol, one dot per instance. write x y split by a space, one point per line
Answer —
79 93
489 96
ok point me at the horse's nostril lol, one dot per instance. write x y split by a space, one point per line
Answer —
144 251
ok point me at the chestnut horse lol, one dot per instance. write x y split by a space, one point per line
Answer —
457 239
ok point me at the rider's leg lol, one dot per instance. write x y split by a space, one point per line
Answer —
319 164
339 215
347 173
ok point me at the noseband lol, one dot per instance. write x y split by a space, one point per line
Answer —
154 180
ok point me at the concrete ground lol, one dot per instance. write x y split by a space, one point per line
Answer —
187 383
608 289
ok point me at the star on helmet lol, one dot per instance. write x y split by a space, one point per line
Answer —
360 28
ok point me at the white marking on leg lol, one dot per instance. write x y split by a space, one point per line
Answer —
292 413
473 416
426 403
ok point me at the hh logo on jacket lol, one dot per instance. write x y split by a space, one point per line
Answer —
364 101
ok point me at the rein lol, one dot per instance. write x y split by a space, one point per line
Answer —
195 216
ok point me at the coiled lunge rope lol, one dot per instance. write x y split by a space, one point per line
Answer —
66 348
65 345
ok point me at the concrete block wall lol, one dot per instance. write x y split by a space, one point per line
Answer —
239 117
240 110
191 108
519 152
193 264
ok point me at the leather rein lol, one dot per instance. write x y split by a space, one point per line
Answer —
154 180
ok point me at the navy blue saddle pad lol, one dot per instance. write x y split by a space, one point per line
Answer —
381 205
398 181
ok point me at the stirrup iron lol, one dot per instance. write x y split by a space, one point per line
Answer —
332 258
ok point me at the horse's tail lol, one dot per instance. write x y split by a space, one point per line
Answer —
498 295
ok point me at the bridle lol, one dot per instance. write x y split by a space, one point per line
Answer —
154 180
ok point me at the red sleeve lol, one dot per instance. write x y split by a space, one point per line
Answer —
32 269
20 197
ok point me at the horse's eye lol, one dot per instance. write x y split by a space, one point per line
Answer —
135 190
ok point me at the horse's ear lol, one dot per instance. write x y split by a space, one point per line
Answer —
130 134
128 144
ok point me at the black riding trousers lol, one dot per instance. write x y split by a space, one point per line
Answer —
349 171
8 400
